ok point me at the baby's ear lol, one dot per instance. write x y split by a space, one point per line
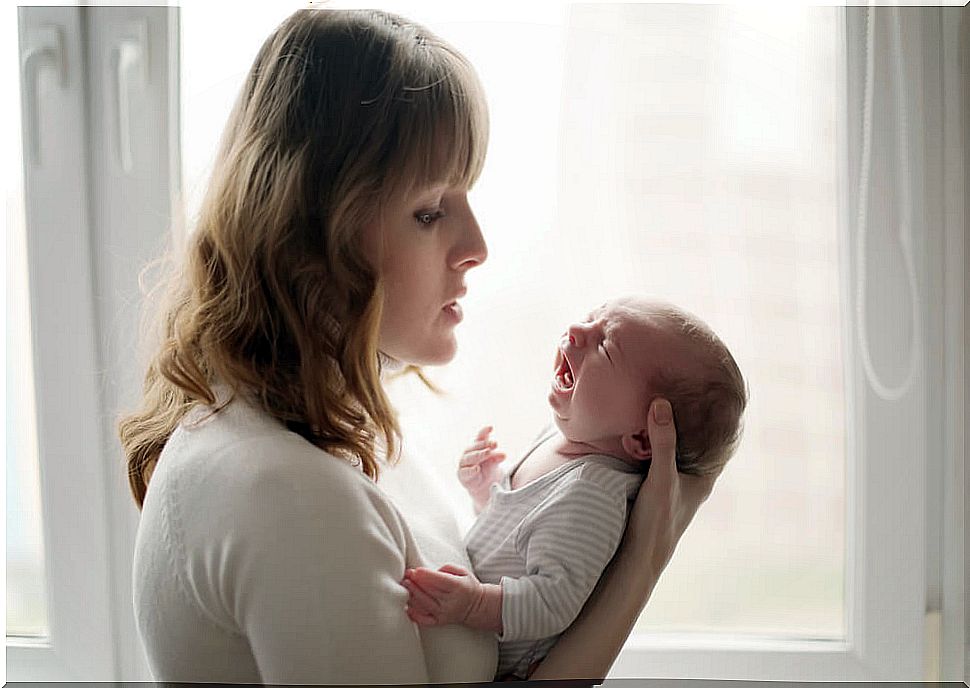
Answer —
637 445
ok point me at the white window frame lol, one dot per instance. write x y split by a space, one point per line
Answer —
85 319
91 227
952 178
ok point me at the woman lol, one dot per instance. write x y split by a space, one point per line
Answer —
332 244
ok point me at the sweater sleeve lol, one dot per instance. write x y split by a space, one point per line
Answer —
314 582
566 544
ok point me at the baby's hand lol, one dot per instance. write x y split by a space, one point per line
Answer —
446 596
479 468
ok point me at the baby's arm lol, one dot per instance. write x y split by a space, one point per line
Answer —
452 595
545 601
478 468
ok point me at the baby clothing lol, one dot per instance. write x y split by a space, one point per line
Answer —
546 543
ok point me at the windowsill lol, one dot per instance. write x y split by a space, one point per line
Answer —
29 641
732 642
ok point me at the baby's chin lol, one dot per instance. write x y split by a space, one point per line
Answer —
569 434
561 424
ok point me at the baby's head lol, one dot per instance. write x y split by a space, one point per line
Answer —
631 350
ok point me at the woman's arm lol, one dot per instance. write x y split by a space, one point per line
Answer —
665 505
312 577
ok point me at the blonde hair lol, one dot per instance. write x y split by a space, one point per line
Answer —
341 111
708 399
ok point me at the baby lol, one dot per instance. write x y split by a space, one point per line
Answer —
547 529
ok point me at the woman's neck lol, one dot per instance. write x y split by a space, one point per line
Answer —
388 365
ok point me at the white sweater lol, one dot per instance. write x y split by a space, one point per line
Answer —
262 559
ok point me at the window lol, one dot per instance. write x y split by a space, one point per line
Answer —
698 164
96 205
708 155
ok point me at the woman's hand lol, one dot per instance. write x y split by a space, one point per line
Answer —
667 500
665 506
478 468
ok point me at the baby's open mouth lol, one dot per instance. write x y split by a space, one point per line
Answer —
564 375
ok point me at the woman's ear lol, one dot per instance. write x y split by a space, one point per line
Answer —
637 445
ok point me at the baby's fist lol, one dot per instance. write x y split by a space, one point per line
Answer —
445 596
479 468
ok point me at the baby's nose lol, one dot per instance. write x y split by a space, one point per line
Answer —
577 335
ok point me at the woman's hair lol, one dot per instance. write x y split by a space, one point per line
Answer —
273 296
707 399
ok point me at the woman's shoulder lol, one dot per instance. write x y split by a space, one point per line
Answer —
239 437
240 461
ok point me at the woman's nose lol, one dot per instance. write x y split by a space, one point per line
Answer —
470 249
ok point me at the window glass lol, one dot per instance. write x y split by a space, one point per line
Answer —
26 587
749 133
682 151
689 153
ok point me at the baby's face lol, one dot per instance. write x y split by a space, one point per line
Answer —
603 364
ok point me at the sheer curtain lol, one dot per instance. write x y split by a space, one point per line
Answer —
711 156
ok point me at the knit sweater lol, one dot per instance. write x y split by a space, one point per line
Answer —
262 559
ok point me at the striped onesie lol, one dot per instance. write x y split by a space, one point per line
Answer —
546 544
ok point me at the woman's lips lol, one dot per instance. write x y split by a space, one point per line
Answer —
452 309
453 312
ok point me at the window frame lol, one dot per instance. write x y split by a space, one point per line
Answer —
63 335
84 255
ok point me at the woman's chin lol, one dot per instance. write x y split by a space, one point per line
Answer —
434 354
447 354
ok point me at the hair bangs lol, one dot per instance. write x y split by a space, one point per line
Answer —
444 128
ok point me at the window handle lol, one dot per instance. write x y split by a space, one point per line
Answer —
44 49
128 65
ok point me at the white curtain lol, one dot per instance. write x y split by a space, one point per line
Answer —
712 156
694 159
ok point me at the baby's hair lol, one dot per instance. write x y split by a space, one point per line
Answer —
708 400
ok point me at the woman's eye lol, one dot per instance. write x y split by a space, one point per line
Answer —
429 217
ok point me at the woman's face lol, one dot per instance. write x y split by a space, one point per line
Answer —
426 243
